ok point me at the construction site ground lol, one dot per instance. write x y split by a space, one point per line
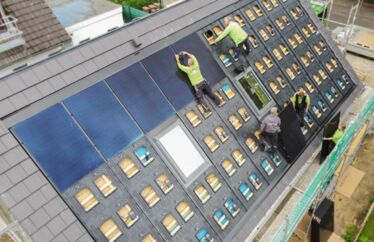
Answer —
349 210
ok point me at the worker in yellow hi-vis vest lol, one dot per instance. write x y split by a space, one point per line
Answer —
238 36
198 82
336 137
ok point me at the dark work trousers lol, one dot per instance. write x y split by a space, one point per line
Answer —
272 140
300 117
331 146
241 50
202 88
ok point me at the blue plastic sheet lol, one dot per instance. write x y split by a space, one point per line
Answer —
58 145
103 118
209 67
141 97
164 71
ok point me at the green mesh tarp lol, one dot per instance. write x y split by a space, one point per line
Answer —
130 13
323 176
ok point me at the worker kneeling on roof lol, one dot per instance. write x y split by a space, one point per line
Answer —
238 36
198 82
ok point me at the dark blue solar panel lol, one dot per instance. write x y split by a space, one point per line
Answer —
141 97
163 69
58 145
103 118
209 67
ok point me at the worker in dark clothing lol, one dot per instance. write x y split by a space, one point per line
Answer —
239 37
301 103
269 130
336 137
198 82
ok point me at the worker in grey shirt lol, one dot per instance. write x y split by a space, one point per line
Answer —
270 127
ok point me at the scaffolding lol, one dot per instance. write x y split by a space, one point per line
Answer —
322 179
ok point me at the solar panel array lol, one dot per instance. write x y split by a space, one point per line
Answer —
100 147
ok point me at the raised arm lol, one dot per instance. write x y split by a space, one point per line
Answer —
307 103
180 66
224 33
293 100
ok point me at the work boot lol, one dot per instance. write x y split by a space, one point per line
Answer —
239 69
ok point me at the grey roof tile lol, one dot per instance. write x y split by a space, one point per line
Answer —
79 71
68 76
15 83
111 56
117 38
8 200
9 141
19 192
36 200
135 30
85 238
35 181
39 218
19 100
41 72
4 90
76 57
42 235
29 77
28 226
68 216
55 206
53 66
3 148
29 166
73 232
4 166
90 66
16 174
60 238
32 94
97 47
3 129
125 50
48 192
100 61
57 82
65 61
22 210
56 225
15 156
86 51
45 88
5 182
6 107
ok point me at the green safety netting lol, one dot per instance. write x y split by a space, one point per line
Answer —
130 13
323 176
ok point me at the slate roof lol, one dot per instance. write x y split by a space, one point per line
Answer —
41 29
26 191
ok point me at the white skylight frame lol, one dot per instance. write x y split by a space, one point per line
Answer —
182 153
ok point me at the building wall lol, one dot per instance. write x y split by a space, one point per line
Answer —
96 26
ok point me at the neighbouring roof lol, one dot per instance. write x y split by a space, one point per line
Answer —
41 29
70 12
